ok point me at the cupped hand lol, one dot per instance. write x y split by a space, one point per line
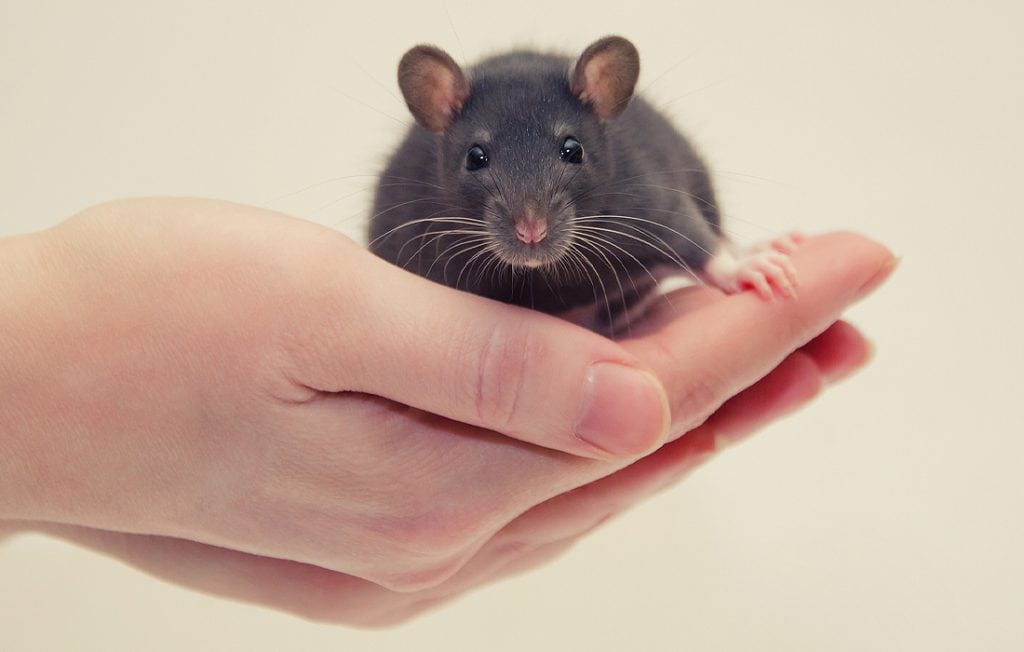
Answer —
228 381
535 537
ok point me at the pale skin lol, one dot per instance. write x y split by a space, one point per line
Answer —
256 407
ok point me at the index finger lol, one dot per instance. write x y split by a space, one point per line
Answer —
713 352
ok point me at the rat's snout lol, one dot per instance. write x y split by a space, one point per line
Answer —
525 235
531 232
530 227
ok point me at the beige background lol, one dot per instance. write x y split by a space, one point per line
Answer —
886 516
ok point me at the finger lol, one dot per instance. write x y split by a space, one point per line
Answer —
515 371
839 351
547 528
550 529
7 529
518 477
532 539
792 384
709 354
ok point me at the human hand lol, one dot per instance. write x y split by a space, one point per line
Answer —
210 384
229 375
531 539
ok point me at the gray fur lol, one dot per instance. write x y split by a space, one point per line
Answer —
520 107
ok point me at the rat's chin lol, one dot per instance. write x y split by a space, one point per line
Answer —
530 257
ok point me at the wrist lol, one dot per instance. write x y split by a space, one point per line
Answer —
22 283
42 443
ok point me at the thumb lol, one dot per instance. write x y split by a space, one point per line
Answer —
522 373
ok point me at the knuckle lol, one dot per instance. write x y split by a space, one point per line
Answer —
700 399
502 367
422 550
433 535
516 548
695 396
420 578
800 328
442 533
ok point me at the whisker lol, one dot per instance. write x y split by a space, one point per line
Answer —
625 180
597 277
494 262
573 256
501 192
668 251
311 186
378 82
484 251
337 90
468 221
579 168
680 191
412 180
463 248
462 245
340 199
733 233
645 221
600 250
612 243
349 177
429 200
672 256
484 186
434 238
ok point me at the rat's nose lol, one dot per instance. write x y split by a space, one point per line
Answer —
531 232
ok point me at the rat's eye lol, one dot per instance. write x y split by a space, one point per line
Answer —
476 159
572 151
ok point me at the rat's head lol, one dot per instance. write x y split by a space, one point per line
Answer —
522 138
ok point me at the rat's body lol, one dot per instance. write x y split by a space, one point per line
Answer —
544 185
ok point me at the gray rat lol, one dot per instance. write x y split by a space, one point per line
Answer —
540 181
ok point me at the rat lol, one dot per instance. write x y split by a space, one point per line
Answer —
546 182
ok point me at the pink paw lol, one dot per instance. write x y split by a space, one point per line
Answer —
765 267
765 270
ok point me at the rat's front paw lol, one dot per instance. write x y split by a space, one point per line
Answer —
786 244
766 268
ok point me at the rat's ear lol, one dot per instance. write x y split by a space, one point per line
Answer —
433 86
605 76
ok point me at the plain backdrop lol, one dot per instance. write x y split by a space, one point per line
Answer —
888 515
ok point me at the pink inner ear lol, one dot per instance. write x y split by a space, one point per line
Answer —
599 88
443 97
598 85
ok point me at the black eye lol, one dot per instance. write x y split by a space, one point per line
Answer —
572 151
476 159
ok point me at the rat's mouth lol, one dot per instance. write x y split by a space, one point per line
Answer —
534 263
531 256
531 260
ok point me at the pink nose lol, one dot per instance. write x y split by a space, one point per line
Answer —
531 232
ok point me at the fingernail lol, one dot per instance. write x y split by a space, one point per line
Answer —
884 272
624 410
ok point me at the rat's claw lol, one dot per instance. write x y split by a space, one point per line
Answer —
757 279
789 270
788 243
769 269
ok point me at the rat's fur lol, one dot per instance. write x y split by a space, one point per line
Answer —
645 194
